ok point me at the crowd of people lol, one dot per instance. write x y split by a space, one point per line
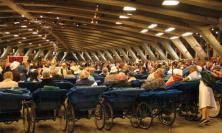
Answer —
159 74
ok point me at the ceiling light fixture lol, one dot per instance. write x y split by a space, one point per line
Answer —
144 31
129 14
40 35
23 16
24 26
170 29
152 26
159 34
174 37
123 17
217 32
187 34
30 29
170 2
47 40
57 17
41 16
34 33
119 23
16 35
7 33
19 42
129 8
24 38
30 43
43 38
16 22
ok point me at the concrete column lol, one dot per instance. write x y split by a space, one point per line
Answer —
211 39
55 56
109 55
47 54
182 48
5 52
95 56
116 55
74 55
37 54
140 52
64 56
88 56
149 51
159 50
81 56
132 54
125 56
28 52
102 55
18 52
171 51
196 46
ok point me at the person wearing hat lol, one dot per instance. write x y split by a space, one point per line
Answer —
177 75
8 81
14 68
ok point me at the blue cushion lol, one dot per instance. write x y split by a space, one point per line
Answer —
32 86
64 85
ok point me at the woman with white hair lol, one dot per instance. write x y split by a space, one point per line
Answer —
8 81
84 79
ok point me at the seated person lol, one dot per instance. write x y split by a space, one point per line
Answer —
131 76
176 76
55 75
84 79
105 72
216 72
46 79
155 80
194 74
33 76
8 81
69 74
115 78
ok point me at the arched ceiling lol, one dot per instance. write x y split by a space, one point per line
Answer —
91 24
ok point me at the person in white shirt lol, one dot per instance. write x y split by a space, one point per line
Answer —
8 81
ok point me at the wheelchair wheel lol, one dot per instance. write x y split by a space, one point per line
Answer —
62 117
167 116
70 118
108 116
26 119
134 121
192 112
144 115
99 116
32 120
215 112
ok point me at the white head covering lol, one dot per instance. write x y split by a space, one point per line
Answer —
14 65
199 68
113 69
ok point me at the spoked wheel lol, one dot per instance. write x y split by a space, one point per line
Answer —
70 118
26 119
144 115
167 116
134 121
192 112
32 119
62 117
108 116
215 112
100 116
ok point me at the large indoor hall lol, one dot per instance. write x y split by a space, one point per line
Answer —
110 66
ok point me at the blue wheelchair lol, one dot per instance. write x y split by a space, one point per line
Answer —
139 105
11 104
47 104
81 103
118 102
161 103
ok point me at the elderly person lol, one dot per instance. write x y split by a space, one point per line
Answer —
84 79
155 80
46 78
14 68
69 74
8 81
